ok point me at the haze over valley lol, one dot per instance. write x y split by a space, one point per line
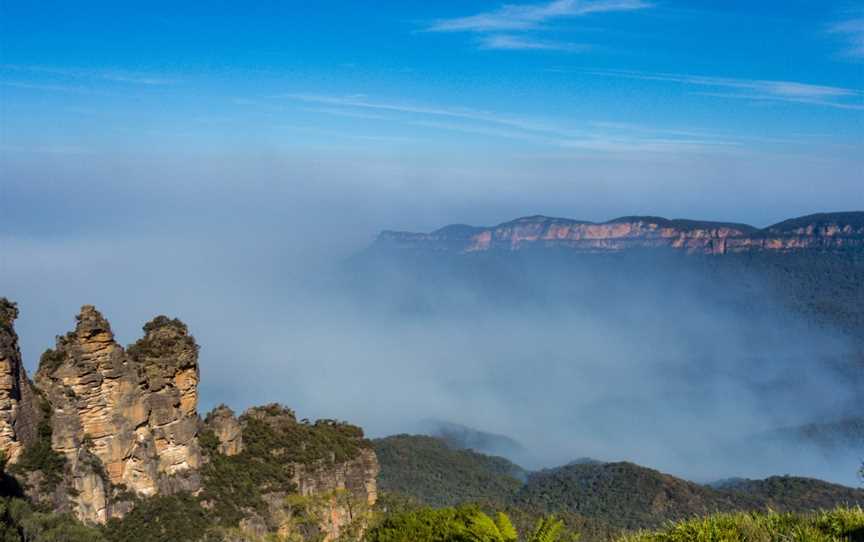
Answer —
415 271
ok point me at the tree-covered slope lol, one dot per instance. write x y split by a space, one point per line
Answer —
628 496
436 474
599 498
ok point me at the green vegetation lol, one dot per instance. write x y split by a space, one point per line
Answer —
275 429
841 524
273 442
8 312
40 456
153 346
627 496
427 469
462 524
470 524
825 287
170 518
600 500
51 360
20 522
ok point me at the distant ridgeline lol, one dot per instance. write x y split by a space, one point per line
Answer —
813 264
596 499
827 231
111 436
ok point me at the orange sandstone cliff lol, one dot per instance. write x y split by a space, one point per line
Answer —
828 231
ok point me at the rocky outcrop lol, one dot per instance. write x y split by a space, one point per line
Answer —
123 419
226 428
19 413
349 490
832 231
114 426
332 471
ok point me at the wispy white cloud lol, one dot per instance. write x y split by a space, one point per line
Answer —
757 89
612 137
853 30
769 98
518 43
531 16
363 102
116 76
483 130
651 145
52 87
345 113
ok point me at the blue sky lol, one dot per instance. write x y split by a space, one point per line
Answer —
480 109
605 75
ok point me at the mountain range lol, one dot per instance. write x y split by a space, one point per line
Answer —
601 498
824 231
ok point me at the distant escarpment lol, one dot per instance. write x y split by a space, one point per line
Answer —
827 231
600 499
108 433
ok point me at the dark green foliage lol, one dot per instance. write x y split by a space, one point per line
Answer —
853 218
50 360
795 494
273 442
19 522
623 495
277 431
8 312
155 345
163 321
598 500
827 287
627 496
209 441
839 525
234 485
172 518
462 524
428 469
40 456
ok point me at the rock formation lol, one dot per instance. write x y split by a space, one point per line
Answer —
332 471
227 429
122 419
109 426
834 231
19 413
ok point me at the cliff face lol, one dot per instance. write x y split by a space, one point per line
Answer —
19 413
105 427
124 421
835 231
331 471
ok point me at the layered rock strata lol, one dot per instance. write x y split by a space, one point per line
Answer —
19 412
335 488
129 414
104 427
830 231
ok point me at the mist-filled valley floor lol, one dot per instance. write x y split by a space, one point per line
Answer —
614 389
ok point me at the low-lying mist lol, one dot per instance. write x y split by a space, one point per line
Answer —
647 361
673 366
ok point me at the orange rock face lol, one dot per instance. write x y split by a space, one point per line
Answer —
134 411
18 410
819 232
